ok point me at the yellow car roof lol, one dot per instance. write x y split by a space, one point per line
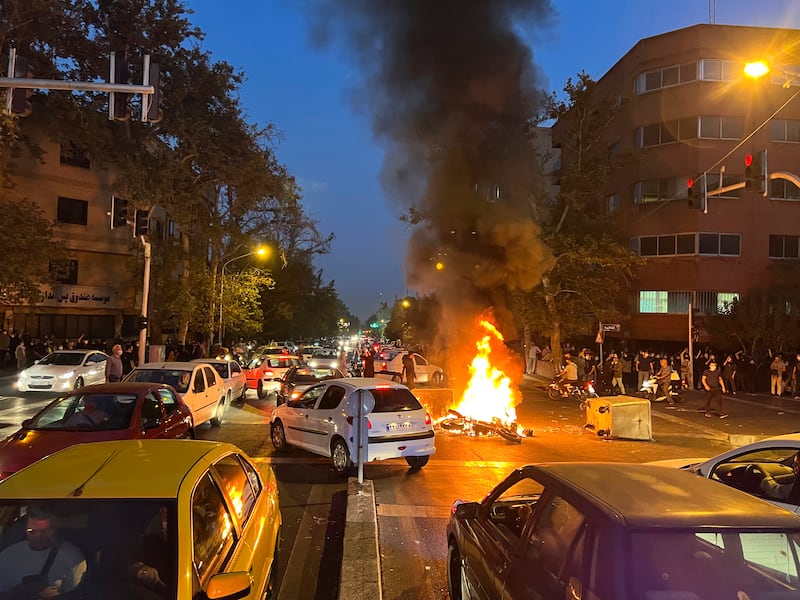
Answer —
117 469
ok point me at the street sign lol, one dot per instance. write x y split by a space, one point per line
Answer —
599 338
616 327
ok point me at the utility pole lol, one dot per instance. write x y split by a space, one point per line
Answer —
145 294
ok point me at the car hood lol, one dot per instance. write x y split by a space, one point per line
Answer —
51 369
29 445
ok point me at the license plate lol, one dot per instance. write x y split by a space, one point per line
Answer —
398 426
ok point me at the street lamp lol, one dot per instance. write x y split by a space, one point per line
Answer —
260 252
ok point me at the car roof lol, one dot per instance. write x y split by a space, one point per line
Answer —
116 469
170 366
368 382
78 351
680 499
212 361
121 387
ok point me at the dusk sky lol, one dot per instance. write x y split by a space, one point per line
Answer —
307 93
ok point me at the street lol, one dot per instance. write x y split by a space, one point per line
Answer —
413 507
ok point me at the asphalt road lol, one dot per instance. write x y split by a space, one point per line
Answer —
413 506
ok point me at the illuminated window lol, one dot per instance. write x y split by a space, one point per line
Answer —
652 302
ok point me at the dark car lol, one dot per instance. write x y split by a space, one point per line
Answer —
298 379
97 413
608 531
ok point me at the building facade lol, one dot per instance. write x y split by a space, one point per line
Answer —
685 108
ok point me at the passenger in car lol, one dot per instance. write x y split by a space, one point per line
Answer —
780 487
90 416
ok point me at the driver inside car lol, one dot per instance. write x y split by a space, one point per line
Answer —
780 487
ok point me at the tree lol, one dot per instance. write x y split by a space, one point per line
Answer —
590 266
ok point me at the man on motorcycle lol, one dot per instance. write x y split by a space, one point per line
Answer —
568 376
663 379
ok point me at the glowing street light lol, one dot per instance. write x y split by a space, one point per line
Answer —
756 69
260 251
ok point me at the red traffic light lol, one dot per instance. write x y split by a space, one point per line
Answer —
748 160
690 183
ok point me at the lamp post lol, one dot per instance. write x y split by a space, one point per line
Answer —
260 252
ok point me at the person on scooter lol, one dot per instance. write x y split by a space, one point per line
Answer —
568 376
663 377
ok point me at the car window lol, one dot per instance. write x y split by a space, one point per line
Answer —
256 362
513 507
235 368
389 399
71 359
308 399
332 397
99 358
237 487
211 377
178 378
199 381
169 400
213 535
556 527
151 408
221 369
421 362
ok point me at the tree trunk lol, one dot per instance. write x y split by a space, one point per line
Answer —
183 329
555 333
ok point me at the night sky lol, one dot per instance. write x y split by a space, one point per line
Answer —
314 95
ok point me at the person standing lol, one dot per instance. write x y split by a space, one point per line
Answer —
642 369
729 374
114 365
368 369
776 371
409 376
533 358
616 374
21 354
714 386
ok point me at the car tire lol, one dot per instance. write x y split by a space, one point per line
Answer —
79 383
417 462
397 379
455 574
437 378
190 435
260 390
277 436
216 420
340 457
243 395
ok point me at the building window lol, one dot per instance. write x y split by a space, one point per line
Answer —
716 244
654 190
720 70
711 303
677 302
713 244
721 128
784 246
65 271
72 211
666 132
785 130
666 77
783 189
74 156
652 302
612 204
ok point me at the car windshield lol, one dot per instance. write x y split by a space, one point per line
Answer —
705 565
313 375
86 412
71 359
177 378
256 362
325 354
394 400
279 362
117 537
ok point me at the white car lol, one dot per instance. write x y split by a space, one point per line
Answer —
64 370
744 467
199 385
317 421
325 358
234 381
389 363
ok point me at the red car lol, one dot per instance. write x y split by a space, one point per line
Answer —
96 413
265 373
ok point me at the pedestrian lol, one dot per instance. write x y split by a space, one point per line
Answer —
368 370
685 362
796 378
409 375
776 371
114 365
616 374
533 358
714 386
21 355
5 340
642 364
729 374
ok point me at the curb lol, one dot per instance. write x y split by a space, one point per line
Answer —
361 568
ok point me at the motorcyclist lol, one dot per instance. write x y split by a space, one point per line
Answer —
568 376
663 379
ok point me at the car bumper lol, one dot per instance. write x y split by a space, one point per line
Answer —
386 447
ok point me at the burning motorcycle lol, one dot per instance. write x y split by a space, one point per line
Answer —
559 389
652 392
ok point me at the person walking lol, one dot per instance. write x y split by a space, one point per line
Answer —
642 368
21 354
616 374
714 386
114 365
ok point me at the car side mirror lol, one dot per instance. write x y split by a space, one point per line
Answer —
151 424
27 423
467 510
229 585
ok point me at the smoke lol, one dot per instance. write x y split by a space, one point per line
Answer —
452 90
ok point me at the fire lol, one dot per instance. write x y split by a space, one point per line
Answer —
490 393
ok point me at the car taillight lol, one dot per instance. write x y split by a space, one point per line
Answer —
428 419
351 419
269 374
383 366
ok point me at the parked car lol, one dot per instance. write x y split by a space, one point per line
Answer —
613 531
64 370
744 467
265 372
317 421
108 411
389 362
155 518
299 379
233 379
198 384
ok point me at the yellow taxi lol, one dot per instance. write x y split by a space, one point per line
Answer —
152 519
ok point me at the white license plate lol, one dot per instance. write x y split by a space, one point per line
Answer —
398 426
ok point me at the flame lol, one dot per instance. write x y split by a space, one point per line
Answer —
490 393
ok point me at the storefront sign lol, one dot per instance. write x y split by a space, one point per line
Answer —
79 295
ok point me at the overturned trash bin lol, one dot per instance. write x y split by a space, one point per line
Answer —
623 417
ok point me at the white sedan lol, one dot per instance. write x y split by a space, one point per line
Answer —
389 364
64 370
234 381
744 467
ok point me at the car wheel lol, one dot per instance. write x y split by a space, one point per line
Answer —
340 456
397 379
260 390
190 434
216 420
79 383
278 436
437 378
417 462
456 583
243 395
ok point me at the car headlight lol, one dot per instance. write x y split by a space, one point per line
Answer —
313 364
67 375
334 365
23 374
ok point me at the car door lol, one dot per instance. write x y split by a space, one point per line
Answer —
174 424
152 418
94 368
237 378
199 397
295 416
422 370
325 419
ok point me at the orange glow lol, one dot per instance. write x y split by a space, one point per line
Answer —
490 393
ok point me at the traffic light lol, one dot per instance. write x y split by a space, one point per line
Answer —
755 172
696 192
119 212
141 223
20 105
122 102
154 112
141 322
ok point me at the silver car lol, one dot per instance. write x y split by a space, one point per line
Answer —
64 370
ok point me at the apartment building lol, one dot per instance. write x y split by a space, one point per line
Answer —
686 108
